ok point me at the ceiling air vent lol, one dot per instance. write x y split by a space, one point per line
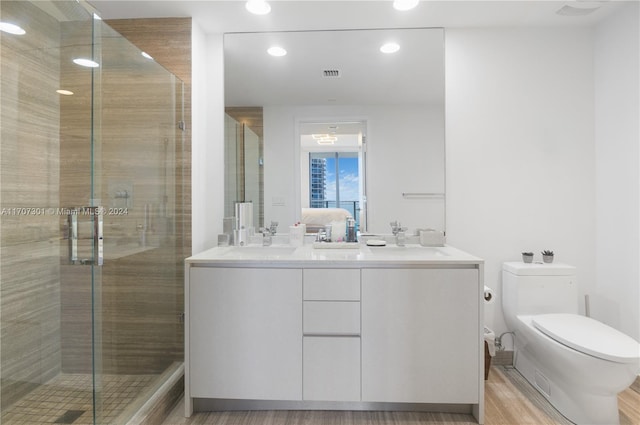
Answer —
331 73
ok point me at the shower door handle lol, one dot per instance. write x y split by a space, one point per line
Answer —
96 248
72 219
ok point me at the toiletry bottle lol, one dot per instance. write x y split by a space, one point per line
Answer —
351 230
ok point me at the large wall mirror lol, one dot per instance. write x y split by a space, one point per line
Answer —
342 124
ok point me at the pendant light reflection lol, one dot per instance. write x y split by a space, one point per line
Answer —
324 139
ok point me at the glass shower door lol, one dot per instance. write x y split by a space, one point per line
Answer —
50 277
90 233
137 183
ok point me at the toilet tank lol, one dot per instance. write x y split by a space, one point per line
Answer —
538 288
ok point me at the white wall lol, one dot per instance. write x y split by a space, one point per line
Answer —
391 169
617 136
207 185
520 149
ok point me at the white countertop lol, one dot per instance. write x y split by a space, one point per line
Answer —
360 256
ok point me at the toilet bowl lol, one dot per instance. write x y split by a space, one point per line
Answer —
583 387
576 362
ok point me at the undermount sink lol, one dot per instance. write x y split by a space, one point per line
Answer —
412 250
262 251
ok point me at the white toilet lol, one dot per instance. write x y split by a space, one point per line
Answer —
577 363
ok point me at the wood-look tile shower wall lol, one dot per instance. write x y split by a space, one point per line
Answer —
29 258
168 41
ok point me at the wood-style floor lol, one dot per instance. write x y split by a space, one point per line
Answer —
509 400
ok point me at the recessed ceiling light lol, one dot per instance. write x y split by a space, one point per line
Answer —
65 92
389 48
276 51
405 4
86 62
11 28
258 7
146 55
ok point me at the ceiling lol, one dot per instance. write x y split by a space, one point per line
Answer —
413 75
286 15
253 78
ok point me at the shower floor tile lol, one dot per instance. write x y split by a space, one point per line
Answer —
68 399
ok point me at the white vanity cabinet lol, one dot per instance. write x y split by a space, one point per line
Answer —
331 328
335 329
420 335
245 328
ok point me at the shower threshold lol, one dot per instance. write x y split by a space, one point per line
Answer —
68 399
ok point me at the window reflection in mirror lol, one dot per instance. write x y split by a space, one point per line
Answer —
332 167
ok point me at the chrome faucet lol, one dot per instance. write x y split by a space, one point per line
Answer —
398 232
266 237
395 227
267 233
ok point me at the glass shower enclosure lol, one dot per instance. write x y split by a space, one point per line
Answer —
91 234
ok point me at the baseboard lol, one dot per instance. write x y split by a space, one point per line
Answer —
218 405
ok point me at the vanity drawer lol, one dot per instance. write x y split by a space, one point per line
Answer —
331 284
331 318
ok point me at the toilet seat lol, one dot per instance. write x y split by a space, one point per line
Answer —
588 336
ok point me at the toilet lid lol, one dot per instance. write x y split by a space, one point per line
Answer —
588 336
